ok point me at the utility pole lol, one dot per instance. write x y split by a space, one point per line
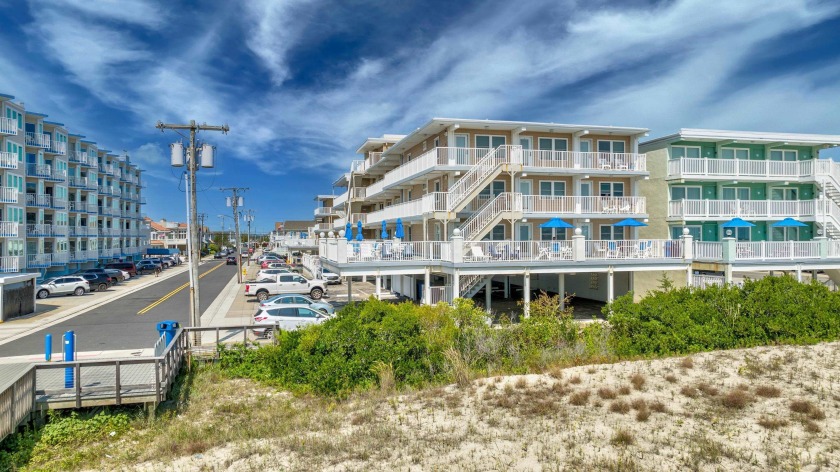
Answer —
234 201
177 160
249 217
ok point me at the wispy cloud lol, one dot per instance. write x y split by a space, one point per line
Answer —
276 26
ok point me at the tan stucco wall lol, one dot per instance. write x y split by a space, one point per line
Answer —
655 191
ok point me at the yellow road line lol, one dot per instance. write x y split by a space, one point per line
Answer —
172 293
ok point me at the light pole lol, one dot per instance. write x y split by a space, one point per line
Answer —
177 160
249 217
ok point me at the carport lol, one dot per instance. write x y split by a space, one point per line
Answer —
18 295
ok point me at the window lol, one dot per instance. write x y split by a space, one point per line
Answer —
299 279
610 146
694 230
15 149
610 232
736 193
735 153
785 234
552 188
286 278
498 233
784 194
779 155
494 189
683 192
585 145
740 234
679 152
485 141
547 234
611 189
306 313
437 186
462 140
553 144
525 142
288 312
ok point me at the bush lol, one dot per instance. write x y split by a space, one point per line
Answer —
766 311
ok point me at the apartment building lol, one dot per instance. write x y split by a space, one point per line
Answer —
567 209
498 183
325 214
66 204
168 234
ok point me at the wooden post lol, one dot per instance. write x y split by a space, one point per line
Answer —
117 379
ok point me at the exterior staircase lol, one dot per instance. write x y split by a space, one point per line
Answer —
501 159
506 205
471 284
828 178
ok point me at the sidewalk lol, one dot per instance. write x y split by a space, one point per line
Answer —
53 310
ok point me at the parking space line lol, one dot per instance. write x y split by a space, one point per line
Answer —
172 293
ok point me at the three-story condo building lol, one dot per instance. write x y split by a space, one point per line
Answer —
498 183
65 203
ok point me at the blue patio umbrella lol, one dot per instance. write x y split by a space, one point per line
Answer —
629 222
737 223
788 223
384 230
399 232
556 223
359 236
348 231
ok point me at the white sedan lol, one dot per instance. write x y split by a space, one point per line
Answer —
287 318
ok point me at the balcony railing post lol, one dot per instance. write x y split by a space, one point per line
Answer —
688 246
728 249
457 246
341 255
578 246
822 244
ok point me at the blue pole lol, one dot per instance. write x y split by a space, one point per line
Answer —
48 347
69 355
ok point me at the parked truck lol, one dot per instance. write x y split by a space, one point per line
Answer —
285 283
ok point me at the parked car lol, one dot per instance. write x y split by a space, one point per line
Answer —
219 255
98 282
330 276
270 258
286 283
278 265
287 318
170 261
231 260
158 260
147 267
67 285
116 275
291 299
129 267
262 274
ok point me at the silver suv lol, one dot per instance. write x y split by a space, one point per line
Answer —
69 285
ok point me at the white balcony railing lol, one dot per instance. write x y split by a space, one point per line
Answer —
583 205
10 264
8 195
9 229
751 209
80 182
793 250
39 170
593 161
8 160
41 200
77 157
38 260
324 211
708 251
37 139
58 147
59 258
731 168
8 126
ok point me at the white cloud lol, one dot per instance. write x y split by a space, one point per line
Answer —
149 155
276 26
138 12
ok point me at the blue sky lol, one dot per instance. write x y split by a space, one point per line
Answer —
302 83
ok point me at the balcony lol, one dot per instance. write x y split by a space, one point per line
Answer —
754 251
58 204
8 160
584 161
324 211
77 157
10 264
42 171
77 182
340 200
57 175
107 169
38 200
59 259
38 230
92 185
57 147
733 169
8 195
40 140
78 231
38 261
583 206
723 210
91 162
78 256
9 229
8 126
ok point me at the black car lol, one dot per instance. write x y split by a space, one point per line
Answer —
147 267
115 274
98 282
231 260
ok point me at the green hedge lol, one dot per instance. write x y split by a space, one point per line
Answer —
771 310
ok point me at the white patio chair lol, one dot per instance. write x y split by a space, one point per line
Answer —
477 253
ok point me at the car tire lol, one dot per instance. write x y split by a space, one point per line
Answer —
316 293
79 291
43 293
262 296
269 334
102 287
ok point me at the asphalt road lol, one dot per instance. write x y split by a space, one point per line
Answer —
117 325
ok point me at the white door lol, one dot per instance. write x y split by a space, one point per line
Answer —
523 230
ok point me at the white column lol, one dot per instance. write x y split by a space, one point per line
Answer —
427 289
610 286
526 295
689 277
561 289
488 293
456 284
727 274
378 287
798 273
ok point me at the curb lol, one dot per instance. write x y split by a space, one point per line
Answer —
73 312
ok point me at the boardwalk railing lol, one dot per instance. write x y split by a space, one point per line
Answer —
17 400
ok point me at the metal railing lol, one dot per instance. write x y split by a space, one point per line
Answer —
8 160
9 194
39 170
9 229
10 263
725 209
604 161
707 167
37 139
8 126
